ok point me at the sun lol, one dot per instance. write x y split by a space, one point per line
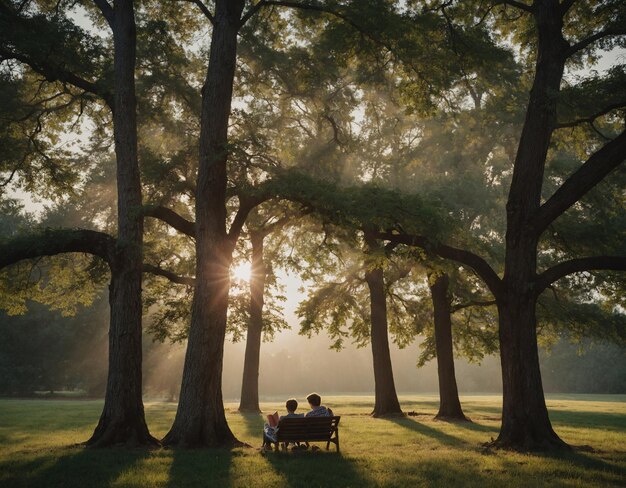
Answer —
242 271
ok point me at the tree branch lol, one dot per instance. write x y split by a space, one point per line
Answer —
245 206
27 27
582 44
274 226
516 4
478 264
593 117
55 73
51 242
204 9
599 165
549 276
171 218
566 5
173 277
251 12
472 303
107 11
317 7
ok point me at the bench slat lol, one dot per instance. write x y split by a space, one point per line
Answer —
314 429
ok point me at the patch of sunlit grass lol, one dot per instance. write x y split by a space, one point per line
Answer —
38 448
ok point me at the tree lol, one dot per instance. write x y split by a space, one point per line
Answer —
365 295
525 422
200 418
386 398
257 320
122 420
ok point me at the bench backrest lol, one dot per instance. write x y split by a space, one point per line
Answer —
307 428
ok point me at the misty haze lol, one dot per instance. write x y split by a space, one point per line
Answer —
310 243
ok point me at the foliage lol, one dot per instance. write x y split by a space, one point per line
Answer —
45 351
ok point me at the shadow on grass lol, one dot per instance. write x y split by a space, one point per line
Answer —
415 426
588 462
316 468
253 424
70 467
200 467
475 426
482 410
601 472
588 419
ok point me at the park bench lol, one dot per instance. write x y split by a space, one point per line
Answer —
308 429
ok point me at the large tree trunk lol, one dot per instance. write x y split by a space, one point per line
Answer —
200 418
250 384
525 421
122 420
386 398
449 403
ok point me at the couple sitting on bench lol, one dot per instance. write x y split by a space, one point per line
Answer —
270 429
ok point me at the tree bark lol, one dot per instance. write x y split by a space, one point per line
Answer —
386 398
200 418
525 421
122 420
250 384
449 403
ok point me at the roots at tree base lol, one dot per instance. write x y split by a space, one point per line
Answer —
190 438
387 413
127 434
527 442
249 409
452 418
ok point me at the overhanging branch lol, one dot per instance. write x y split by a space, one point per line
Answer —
599 165
549 276
204 9
55 73
593 117
252 11
472 303
171 218
516 4
608 32
51 242
173 277
475 262
245 206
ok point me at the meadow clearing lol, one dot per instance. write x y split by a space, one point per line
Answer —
38 448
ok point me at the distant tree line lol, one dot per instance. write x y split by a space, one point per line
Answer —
46 354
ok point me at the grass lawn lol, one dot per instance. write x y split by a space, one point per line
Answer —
37 440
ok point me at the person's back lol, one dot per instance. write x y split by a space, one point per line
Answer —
292 415
317 409
269 432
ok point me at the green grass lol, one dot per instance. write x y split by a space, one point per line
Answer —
38 437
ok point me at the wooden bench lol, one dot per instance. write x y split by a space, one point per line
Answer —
308 429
